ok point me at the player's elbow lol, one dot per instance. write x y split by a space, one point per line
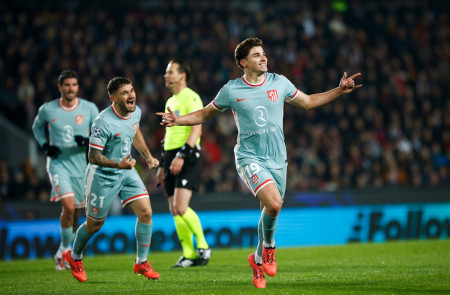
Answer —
307 107
303 102
307 104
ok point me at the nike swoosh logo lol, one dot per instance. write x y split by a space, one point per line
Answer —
53 120
118 134
238 100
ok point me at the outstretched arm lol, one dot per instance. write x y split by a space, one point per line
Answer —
141 146
198 117
308 102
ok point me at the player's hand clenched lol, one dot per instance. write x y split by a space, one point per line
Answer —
152 163
51 150
127 163
81 141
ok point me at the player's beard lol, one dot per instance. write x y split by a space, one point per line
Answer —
69 96
125 108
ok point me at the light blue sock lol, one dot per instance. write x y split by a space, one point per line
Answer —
269 226
259 249
82 237
143 234
66 238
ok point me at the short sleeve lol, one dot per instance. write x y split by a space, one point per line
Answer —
99 134
222 100
291 91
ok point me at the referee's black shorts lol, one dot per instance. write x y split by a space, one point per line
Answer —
188 178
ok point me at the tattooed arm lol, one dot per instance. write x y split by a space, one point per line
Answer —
96 157
141 146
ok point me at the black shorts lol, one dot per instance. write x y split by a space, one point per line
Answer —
188 178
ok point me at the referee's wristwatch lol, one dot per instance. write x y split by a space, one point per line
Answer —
181 155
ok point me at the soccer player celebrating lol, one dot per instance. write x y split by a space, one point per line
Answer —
257 100
111 173
180 167
68 120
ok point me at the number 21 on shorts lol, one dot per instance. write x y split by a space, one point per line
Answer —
93 200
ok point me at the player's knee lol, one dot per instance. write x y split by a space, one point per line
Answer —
273 207
145 215
68 210
179 210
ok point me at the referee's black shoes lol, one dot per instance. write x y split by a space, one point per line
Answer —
203 257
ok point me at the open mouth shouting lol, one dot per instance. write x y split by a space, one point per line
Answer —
131 102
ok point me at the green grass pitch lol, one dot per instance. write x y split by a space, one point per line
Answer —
417 267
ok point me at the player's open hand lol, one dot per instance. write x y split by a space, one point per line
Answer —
168 119
347 85
152 163
127 163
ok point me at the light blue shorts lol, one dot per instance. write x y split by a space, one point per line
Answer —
256 176
65 186
100 196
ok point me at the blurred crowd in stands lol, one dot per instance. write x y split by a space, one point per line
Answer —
395 131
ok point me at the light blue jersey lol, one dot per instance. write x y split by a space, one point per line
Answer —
113 135
63 124
258 114
65 171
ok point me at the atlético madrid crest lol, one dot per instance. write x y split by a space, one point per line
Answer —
135 127
273 95
255 179
79 119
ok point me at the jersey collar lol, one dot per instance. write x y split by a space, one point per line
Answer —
254 85
66 108
117 114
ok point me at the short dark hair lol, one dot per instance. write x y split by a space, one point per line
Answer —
244 48
116 83
183 67
67 74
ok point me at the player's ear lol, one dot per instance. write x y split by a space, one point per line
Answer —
111 98
243 62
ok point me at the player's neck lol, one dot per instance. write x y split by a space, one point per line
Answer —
177 89
119 111
68 103
254 77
